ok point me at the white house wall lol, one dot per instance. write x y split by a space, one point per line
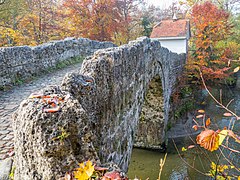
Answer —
175 45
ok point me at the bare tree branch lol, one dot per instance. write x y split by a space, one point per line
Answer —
224 107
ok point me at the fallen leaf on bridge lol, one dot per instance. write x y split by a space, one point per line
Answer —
84 171
114 175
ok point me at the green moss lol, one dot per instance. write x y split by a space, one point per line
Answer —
231 81
63 64
186 91
184 108
142 118
169 126
11 175
62 136
18 81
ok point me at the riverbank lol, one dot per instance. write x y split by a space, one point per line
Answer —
145 163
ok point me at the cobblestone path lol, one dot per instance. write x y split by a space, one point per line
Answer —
10 100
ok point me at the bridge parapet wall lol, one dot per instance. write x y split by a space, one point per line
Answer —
25 61
100 114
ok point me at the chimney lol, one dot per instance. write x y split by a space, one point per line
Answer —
174 17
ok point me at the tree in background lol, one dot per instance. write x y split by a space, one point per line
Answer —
40 21
28 22
210 25
97 20
11 13
32 22
130 14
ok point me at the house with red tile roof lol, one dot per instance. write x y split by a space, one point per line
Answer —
173 34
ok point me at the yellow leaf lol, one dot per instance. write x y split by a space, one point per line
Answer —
222 136
208 122
84 171
89 168
184 149
236 69
201 111
213 165
80 175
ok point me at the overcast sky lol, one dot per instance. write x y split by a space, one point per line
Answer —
161 3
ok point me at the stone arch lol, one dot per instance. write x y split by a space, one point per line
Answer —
150 127
101 113
123 76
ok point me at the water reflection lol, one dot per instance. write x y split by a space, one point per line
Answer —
145 163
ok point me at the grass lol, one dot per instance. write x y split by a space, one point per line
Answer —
66 63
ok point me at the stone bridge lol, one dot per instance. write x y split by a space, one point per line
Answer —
96 111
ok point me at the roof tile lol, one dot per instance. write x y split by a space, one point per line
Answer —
170 28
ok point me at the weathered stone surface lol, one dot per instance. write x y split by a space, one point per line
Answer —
106 99
151 122
19 93
5 168
42 152
238 80
23 61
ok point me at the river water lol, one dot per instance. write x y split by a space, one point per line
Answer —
145 163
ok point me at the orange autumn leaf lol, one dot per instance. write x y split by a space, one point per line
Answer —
208 139
208 122
195 127
227 114
201 111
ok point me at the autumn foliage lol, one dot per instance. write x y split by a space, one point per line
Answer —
210 26
34 22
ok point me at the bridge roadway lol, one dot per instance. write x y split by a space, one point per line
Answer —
10 100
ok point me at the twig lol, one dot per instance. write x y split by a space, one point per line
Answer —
200 149
221 96
238 118
233 150
228 160
186 161
229 102
216 169
162 162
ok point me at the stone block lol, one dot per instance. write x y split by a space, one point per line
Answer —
5 168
